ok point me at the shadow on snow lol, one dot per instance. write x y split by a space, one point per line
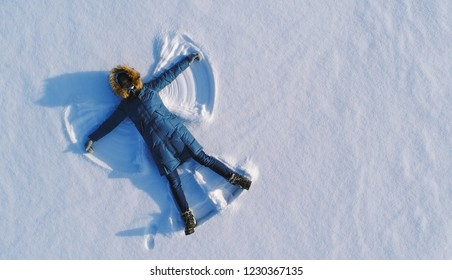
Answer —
88 100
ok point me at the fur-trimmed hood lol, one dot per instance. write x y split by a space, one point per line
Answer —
169 141
133 74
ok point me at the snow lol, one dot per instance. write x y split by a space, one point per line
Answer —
340 111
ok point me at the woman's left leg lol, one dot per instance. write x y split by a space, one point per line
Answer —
223 170
214 164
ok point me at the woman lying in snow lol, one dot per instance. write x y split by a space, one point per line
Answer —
168 140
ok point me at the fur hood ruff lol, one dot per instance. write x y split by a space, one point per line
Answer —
134 75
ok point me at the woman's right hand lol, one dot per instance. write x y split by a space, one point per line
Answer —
89 146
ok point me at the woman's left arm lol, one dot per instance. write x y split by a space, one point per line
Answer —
170 74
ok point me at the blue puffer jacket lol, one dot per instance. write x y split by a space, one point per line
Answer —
169 141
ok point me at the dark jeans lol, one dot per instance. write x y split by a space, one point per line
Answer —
205 160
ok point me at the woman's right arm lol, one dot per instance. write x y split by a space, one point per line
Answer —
108 125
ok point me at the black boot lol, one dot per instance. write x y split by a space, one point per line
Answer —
190 222
240 181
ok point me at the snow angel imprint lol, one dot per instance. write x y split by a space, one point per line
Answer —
169 141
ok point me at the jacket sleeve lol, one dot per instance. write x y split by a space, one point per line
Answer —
108 125
168 75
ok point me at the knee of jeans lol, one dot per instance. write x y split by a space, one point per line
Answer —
205 159
174 181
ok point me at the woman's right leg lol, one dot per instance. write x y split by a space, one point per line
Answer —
181 201
176 189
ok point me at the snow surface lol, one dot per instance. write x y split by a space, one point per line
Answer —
339 110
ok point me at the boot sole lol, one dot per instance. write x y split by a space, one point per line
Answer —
246 186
